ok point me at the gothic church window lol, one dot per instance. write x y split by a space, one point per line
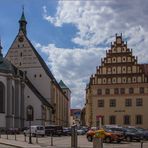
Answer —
2 98
30 113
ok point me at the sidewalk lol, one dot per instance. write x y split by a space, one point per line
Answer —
19 144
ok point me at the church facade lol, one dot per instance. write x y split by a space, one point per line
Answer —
118 91
27 84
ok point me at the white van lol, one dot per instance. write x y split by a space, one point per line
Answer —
35 130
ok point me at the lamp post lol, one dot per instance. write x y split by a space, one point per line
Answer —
29 118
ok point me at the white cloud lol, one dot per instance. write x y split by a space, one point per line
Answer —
97 22
73 66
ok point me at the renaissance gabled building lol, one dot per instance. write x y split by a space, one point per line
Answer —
27 84
118 91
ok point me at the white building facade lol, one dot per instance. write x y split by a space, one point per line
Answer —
29 85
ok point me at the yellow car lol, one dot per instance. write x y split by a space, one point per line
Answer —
108 136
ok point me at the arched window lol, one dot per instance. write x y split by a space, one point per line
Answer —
2 98
30 113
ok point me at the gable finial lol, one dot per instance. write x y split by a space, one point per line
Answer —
23 8
23 22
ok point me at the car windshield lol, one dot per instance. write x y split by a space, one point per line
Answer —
40 128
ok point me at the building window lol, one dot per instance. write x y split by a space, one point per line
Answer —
127 120
112 103
35 75
128 102
21 54
99 91
139 119
122 91
131 90
112 119
100 103
30 113
98 122
116 91
107 91
2 98
139 102
40 75
141 90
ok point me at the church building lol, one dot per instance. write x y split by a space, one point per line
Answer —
118 91
28 89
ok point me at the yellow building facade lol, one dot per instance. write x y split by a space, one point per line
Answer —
118 91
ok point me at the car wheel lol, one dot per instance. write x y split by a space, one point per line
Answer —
89 138
128 139
108 140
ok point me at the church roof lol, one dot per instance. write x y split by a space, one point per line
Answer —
62 85
37 93
47 70
7 67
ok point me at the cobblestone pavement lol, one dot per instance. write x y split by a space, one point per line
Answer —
62 142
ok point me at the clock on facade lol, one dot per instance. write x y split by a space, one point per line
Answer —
21 39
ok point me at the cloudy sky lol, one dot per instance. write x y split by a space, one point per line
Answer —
73 35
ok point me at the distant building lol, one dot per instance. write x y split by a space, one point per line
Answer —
75 116
82 118
118 91
27 83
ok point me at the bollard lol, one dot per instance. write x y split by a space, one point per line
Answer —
73 137
7 134
25 137
36 138
141 143
15 135
51 139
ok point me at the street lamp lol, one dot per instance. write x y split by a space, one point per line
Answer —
29 118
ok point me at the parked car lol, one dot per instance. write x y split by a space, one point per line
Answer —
132 134
53 130
35 130
66 131
143 131
80 131
109 136
13 131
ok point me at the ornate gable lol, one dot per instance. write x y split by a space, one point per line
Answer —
119 66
